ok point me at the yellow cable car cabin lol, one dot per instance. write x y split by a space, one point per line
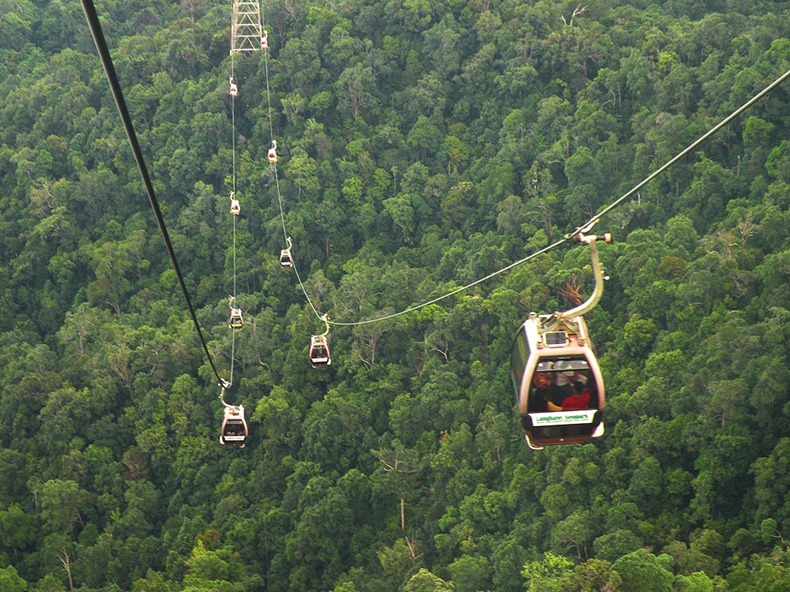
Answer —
236 321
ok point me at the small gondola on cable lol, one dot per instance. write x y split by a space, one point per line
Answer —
319 348
236 321
559 386
286 259
234 429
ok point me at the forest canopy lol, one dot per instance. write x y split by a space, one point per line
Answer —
422 145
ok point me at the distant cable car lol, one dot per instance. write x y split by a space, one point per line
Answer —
286 260
265 40
234 430
319 347
319 351
236 321
234 90
559 386
235 208
273 152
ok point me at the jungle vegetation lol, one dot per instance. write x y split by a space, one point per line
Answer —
423 145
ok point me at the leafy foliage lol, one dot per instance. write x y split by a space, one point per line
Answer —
422 145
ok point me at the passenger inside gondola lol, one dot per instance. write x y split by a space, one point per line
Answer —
580 399
553 389
567 374
234 427
319 353
542 392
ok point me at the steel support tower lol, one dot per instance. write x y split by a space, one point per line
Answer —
246 31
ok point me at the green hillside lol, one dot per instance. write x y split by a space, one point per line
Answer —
422 145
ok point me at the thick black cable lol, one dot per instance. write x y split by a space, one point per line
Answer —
115 87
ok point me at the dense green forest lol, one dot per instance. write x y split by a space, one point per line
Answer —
423 144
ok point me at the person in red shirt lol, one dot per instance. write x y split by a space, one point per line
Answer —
580 399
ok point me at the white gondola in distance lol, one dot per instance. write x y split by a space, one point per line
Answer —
234 430
286 258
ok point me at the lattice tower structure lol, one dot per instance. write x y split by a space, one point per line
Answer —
247 31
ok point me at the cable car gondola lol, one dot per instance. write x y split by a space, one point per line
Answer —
319 347
272 154
286 260
319 351
236 321
559 387
234 430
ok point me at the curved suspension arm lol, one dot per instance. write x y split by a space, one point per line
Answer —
224 385
325 318
587 306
